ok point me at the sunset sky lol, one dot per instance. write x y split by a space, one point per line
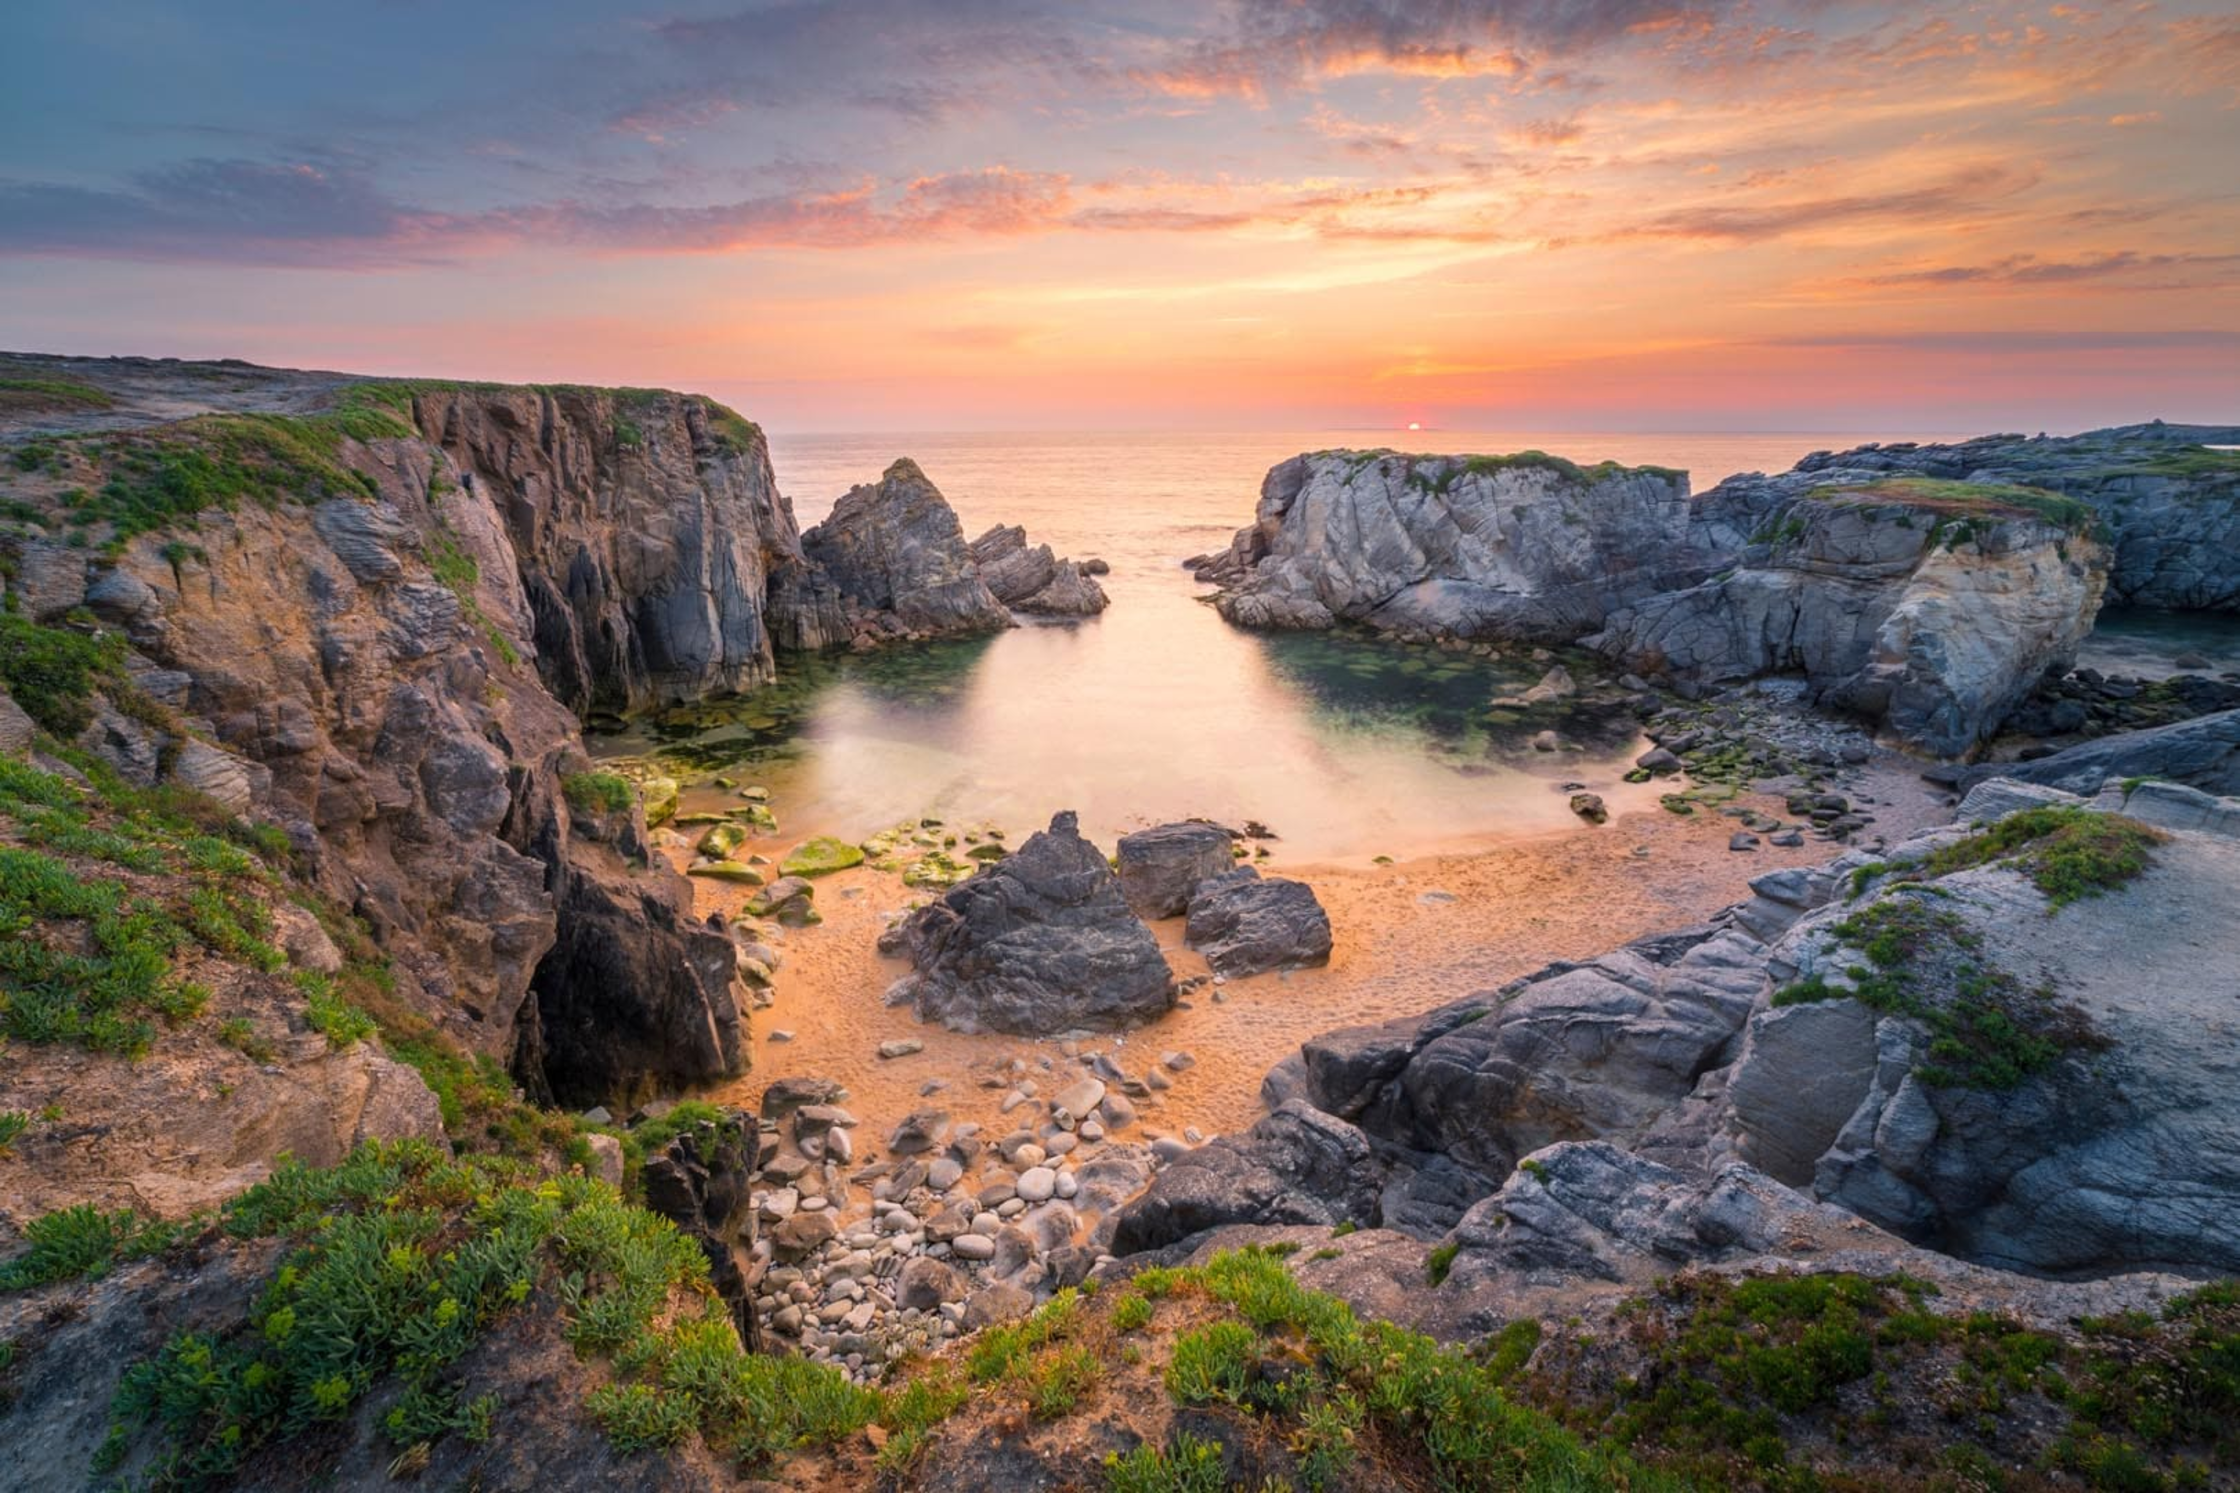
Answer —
995 214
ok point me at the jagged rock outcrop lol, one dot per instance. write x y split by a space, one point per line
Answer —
1245 924
364 661
1038 943
898 559
1930 610
1575 1052
1927 589
2171 505
643 528
2202 753
699 1182
2117 1147
1032 579
2033 1087
1160 867
1297 1165
1525 546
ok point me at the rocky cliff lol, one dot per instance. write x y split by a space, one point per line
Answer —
1526 546
1924 588
2170 502
644 529
372 624
1930 607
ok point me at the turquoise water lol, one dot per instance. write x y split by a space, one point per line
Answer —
1347 748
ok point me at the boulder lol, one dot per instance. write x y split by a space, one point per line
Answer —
785 1096
790 900
1297 1165
1031 579
1039 942
919 1131
1160 867
1245 923
928 1285
991 1305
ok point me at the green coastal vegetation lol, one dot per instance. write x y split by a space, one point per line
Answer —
51 392
160 478
1438 474
1966 507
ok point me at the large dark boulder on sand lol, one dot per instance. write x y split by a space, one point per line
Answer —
1160 867
1245 924
1040 942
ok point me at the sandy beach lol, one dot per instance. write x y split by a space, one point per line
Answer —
1408 936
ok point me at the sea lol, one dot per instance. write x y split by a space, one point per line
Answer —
1346 747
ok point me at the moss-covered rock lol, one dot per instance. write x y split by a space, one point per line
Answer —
821 857
727 870
721 840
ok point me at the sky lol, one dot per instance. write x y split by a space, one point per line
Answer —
1010 214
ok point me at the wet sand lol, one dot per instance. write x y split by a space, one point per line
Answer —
1408 937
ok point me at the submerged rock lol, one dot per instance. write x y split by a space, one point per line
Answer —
1040 942
821 857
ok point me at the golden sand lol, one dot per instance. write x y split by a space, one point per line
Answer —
1408 937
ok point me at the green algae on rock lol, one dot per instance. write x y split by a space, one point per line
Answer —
821 856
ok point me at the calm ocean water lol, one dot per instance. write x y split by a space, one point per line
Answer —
1158 709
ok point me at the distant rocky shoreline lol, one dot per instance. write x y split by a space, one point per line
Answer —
1927 588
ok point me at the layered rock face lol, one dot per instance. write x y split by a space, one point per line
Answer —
1930 613
1925 588
1032 579
2201 753
1938 1049
1041 942
1525 546
2170 504
645 528
362 659
897 557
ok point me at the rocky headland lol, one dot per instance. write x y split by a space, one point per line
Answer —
1926 589
352 1007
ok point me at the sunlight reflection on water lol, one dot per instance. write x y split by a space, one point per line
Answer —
1158 709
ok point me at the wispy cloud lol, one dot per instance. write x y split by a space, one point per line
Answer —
1266 45
2030 269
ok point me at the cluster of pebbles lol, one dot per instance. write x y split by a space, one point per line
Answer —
872 1252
